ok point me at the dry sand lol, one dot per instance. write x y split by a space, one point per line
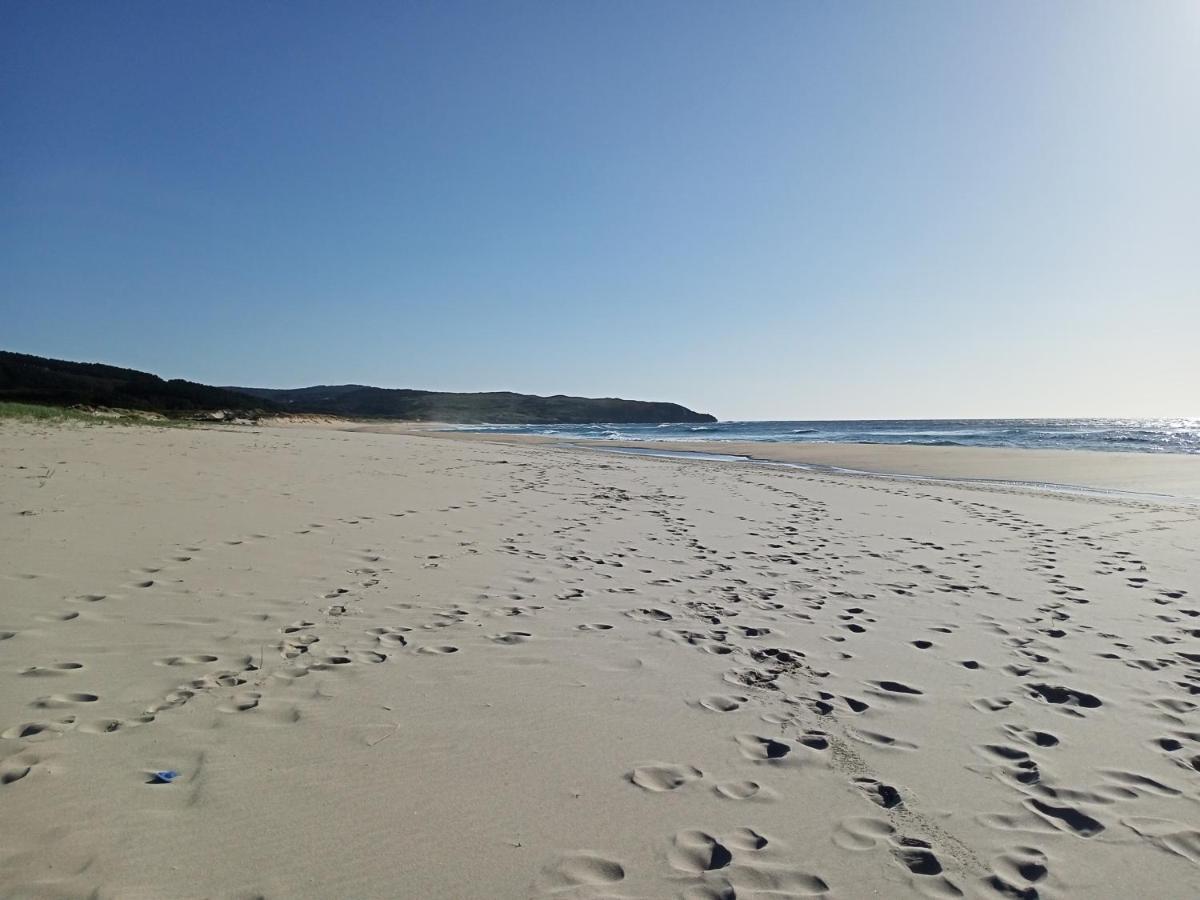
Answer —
404 666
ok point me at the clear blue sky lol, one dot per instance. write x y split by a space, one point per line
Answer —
762 210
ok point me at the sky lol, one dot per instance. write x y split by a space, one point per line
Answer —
766 210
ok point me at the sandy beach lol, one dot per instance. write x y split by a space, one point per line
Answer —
1168 475
402 665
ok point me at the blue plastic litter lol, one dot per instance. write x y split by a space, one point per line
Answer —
164 777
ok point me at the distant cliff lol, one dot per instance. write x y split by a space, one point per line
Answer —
56 382
357 401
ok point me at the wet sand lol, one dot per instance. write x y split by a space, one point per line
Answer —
1170 474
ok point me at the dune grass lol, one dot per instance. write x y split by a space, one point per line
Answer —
33 412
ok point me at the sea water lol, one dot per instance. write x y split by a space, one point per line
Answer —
1132 435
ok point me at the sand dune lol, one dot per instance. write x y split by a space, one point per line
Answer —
305 662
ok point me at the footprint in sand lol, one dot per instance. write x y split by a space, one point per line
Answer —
327 662
11 773
197 659
743 790
649 615
297 645
894 690
991 704
39 731
1166 834
877 792
111 726
16 767
762 749
695 852
290 673
581 869
1065 818
52 670
242 702
917 856
1056 694
1016 873
57 617
815 740
721 702
60 701
1138 784
761 880
510 637
660 777
861 833
746 839
390 635
824 704
880 740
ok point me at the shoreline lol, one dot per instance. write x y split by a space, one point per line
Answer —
1159 476
821 469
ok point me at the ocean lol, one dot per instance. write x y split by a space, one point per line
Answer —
1128 435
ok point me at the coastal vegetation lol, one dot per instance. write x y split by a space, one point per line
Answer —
27 379
358 401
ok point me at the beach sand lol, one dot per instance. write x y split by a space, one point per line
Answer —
408 666
1170 474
